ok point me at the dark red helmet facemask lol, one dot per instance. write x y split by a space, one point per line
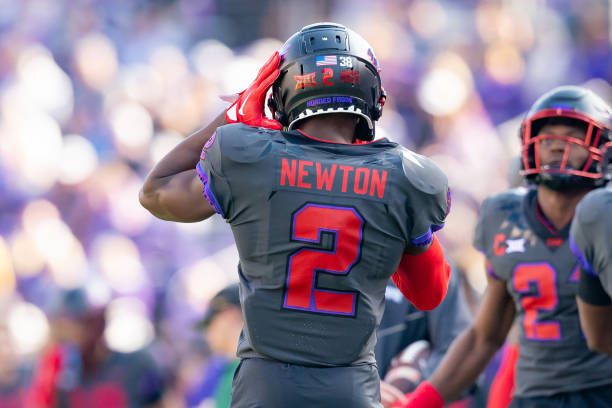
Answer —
573 106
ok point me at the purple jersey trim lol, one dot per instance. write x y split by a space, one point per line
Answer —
207 192
544 220
581 258
425 239
491 271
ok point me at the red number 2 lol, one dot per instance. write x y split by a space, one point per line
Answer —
543 277
301 290
328 74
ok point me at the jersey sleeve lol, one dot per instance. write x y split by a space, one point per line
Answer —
484 238
591 291
590 237
480 238
428 198
215 185
580 243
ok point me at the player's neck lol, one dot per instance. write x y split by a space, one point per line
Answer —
331 128
91 359
559 206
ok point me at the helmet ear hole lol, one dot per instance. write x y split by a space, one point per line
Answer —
276 113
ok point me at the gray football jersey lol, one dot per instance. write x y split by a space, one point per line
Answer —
591 234
320 227
541 275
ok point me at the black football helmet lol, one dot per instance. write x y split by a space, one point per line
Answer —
327 68
606 165
575 106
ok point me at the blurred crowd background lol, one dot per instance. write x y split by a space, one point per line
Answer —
93 93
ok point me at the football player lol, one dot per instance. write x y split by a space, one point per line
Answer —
320 222
591 242
532 273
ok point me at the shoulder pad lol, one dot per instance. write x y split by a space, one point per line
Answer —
493 211
594 205
507 201
245 144
498 207
422 173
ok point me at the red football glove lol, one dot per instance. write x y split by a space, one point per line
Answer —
249 107
42 392
425 396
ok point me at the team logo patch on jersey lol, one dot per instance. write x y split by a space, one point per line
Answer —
502 245
515 245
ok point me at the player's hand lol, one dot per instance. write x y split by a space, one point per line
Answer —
249 107
389 394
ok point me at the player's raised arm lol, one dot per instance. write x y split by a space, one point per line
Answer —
173 191
423 273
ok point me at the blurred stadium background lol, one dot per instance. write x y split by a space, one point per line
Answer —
92 93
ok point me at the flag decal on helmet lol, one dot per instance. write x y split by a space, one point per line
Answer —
323 60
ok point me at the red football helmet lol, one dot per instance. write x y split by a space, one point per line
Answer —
575 106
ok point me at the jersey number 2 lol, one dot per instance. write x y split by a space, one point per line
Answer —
543 277
301 291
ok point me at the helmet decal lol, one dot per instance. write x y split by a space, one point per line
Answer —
305 81
325 60
327 68
349 76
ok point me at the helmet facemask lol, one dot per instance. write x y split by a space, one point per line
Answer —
556 108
